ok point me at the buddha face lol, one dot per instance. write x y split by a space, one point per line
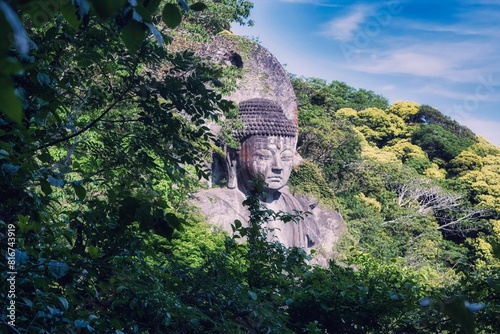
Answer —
269 157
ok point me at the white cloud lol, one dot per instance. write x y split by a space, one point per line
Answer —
451 61
440 90
344 28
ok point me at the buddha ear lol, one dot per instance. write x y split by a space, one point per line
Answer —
232 161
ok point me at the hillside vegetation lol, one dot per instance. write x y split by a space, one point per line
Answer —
103 140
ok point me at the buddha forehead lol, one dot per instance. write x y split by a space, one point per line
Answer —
266 142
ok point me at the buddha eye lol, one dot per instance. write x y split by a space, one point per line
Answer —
286 156
262 156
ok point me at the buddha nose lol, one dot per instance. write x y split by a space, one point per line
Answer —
277 163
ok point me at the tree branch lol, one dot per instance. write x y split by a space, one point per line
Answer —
79 132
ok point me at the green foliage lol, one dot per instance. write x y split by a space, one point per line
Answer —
103 139
373 298
313 93
307 179
103 131
380 127
405 110
215 18
431 116
464 162
331 144
438 142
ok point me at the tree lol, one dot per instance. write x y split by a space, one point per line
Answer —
465 161
440 143
404 109
380 127
332 145
107 120
431 116
313 92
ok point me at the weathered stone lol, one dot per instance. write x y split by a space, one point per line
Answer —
264 77
268 149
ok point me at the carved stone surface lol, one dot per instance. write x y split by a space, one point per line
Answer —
264 77
268 141
263 117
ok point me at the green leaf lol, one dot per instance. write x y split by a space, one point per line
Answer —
57 269
93 251
174 221
10 105
171 15
21 39
11 66
197 7
116 323
107 8
70 13
133 35
80 191
496 249
152 5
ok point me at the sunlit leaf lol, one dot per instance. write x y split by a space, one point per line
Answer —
55 182
64 302
57 268
184 5
81 323
82 8
156 33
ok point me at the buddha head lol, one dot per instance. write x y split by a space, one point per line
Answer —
268 143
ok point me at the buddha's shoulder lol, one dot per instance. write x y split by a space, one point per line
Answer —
221 206
216 195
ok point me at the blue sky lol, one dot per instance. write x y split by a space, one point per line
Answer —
445 54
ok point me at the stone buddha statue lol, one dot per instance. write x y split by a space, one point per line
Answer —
267 150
